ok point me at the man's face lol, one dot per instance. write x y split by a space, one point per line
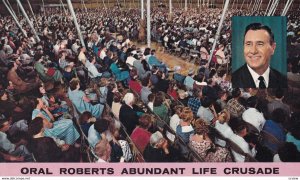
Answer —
258 50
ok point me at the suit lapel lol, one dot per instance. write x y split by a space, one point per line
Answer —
246 78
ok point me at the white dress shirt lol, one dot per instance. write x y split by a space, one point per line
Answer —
255 76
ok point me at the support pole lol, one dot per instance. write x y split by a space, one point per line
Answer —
232 4
242 5
32 13
28 21
7 3
273 10
142 9
287 7
219 30
170 6
254 5
64 7
104 4
43 6
148 25
266 11
14 17
75 22
185 5
260 5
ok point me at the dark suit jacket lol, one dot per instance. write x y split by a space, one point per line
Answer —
242 78
129 118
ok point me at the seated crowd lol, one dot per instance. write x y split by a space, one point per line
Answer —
111 101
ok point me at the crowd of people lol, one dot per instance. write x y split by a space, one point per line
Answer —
109 100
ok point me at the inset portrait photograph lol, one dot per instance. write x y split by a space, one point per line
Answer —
259 52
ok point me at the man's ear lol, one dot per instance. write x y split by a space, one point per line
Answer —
273 46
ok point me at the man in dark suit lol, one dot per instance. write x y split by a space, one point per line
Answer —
259 46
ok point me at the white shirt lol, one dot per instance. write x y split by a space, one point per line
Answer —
238 140
255 76
225 130
174 122
255 118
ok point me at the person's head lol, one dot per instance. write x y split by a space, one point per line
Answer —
279 93
103 149
288 152
241 129
12 65
224 116
201 127
145 121
159 99
259 46
4 124
85 117
3 95
186 115
279 115
101 125
252 101
206 102
146 81
223 95
42 89
74 84
197 92
35 126
157 140
129 99
178 109
151 97
38 103
236 93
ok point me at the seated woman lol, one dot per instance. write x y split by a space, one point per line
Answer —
63 129
160 107
274 127
120 150
202 144
47 73
20 85
81 101
158 149
10 108
141 135
118 73
99 130
86 119
128 116
46 149
185 129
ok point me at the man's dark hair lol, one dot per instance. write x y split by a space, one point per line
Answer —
236 92
259 26
279 93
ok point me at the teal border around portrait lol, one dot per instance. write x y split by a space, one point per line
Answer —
278 25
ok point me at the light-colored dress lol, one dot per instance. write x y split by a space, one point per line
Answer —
63 129
76 97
